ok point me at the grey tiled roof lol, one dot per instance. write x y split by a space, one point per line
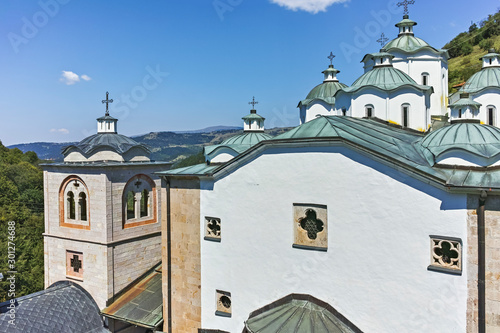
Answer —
64 307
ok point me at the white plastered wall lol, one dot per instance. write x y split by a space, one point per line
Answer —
379 222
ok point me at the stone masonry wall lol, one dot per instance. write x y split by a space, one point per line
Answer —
185 255
492 230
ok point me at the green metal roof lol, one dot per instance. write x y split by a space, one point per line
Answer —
466 102
299 314
491 54
253 116
106 118
239 143
486 78
324 92
198 169
481 140
403 149
406 22
386 79
410 44
141 304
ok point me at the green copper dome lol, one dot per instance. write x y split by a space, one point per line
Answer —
384 78
486 78
477 139
324 92
407 43
239 143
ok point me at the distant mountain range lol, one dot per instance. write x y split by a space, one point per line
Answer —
165 146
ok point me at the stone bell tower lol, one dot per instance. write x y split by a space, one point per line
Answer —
102 212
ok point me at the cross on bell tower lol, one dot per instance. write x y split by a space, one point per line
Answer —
382 40
107 101
405 4
331 56
253 102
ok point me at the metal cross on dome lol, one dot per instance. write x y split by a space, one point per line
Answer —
253 102
405 4
107 101
382 40
331 56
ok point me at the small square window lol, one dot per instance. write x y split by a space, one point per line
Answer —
446 254
223 303
212 229
74 265
310 226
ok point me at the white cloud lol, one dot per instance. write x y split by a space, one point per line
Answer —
311 6
59 130
69 77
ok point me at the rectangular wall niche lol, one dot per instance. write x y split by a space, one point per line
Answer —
446 254
223 303
74 265
310 226
212 229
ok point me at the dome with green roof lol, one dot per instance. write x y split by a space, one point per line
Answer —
481 141
485 78
326 90
406 41
385 78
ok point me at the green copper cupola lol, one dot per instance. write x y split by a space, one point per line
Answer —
253 122
492 59
406 26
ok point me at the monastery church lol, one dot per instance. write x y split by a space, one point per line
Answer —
380 212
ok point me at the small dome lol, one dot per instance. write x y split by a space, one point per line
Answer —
480 140
485 78
407 43
250 138
324 91
384 78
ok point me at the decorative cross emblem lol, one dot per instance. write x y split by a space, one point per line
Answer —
76 263
311 224
405 4
382 40
253 102
107 101
138 183
331 56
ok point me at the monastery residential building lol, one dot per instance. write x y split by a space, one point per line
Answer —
367 217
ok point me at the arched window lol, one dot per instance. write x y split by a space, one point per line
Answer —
130 205
491 115
459 113
344 111
70 198
82 206
144 203
74 204
405 115
369 111
425 79
139 202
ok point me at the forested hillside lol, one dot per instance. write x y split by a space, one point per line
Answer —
466 49
21 222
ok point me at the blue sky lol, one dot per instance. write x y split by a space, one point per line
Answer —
181 65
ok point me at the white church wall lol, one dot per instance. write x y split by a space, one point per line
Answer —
488 97
75 156
318 107
369 96
418 115
375 269
426 62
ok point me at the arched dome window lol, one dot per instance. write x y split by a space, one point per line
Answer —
73 204
491 115
139 202
405 115
425 79
369 111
